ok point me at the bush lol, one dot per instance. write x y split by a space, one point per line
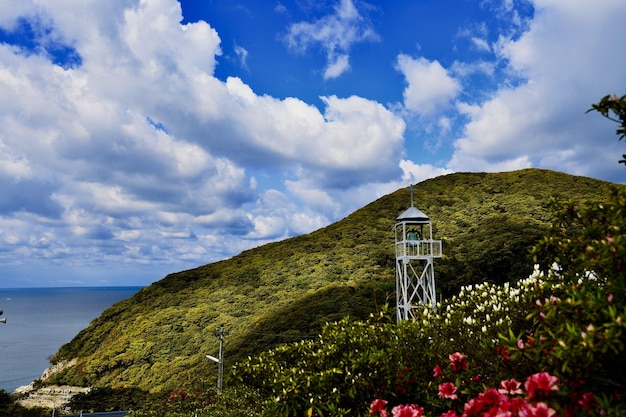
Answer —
352 362
235 401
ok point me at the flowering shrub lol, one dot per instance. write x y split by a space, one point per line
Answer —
236 400
579 331
565 328
508 401
185 401
576 330
352 362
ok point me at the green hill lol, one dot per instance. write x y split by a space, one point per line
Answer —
157 340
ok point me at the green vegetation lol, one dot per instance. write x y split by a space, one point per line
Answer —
562 330
107 399
157 340
311 329
354 362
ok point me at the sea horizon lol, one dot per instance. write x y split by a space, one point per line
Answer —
41 319
74 286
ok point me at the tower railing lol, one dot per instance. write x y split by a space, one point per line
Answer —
419 248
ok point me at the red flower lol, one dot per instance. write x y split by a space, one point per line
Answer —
539 410
539 385
491 397
504 352
513 405
378 406
411 410
510 387
437 371
458 362
473 408
588 401
448 390
450 413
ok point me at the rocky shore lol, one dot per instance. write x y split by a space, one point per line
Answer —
50 396
53 396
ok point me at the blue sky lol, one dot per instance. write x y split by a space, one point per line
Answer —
139 138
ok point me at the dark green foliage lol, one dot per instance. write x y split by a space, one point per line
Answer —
306 316
236 400
583 325
157 340
109 399
353 362
569 322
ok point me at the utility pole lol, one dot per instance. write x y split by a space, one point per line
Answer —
220 361
220 372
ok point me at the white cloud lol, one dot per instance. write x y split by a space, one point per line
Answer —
478 37
334 34
242 54
354 140
338 66
430 87
140 155
414 173
135 153
562 66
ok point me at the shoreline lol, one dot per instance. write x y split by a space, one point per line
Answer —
49 396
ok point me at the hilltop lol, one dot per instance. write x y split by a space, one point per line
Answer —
157 340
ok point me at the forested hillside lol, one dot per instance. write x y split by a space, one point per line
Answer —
157 340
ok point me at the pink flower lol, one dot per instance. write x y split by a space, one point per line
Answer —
448 390
539 385
378 407
473 408
450 413
491 397
458 362
538 410
437 371
588 401
510 387
520 344
411 410
504 352
513 405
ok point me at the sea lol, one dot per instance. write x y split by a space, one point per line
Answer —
40 320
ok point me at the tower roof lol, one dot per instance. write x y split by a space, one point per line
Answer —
412 213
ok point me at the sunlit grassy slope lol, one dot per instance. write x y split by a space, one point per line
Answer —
157 340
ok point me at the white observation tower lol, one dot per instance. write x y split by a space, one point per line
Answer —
415 251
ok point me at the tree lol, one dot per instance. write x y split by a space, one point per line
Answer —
614 109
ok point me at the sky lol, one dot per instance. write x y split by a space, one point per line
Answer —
144 137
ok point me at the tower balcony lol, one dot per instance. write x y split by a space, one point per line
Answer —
418 249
